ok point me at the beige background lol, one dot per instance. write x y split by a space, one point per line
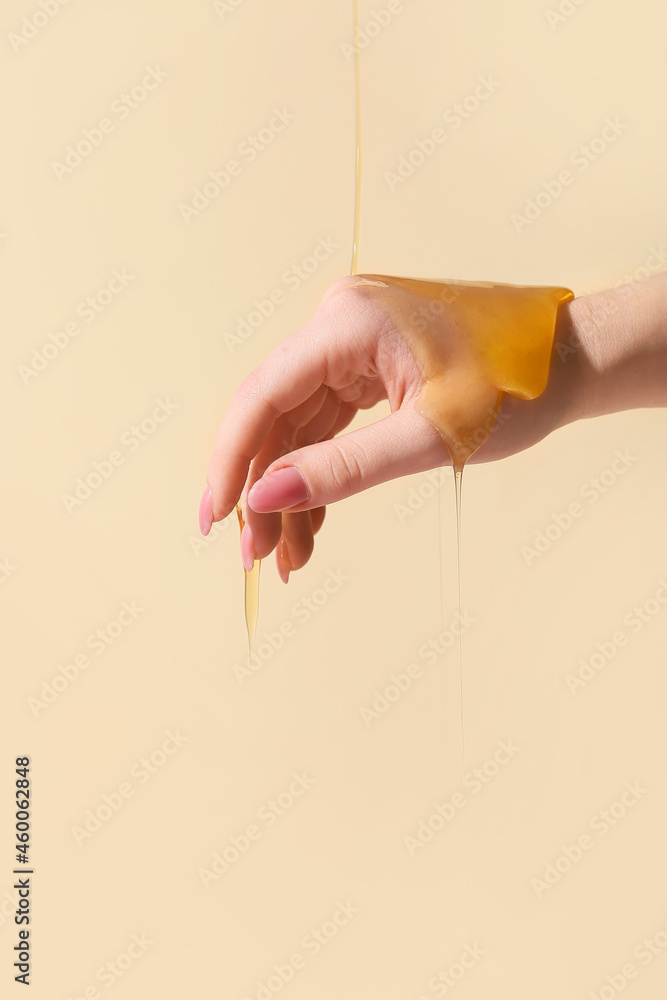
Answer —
135 538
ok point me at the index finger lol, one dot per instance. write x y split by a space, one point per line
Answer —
287 377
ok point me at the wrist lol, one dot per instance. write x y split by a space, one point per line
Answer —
611 347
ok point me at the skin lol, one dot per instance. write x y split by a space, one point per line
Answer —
610 354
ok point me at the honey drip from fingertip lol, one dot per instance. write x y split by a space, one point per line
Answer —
251 592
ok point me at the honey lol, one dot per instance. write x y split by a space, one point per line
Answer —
251 580
472 341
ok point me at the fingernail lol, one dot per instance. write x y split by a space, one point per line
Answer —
206 512
278 491
248 554
284 562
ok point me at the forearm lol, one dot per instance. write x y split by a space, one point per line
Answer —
612 347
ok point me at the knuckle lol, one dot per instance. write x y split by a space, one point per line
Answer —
252 391
347 303
347 465
251 386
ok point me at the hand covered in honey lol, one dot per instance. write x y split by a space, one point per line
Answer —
469 370
279 449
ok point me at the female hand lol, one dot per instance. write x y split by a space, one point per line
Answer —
278 451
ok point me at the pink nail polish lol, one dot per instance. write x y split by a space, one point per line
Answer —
206 512
278 491
248 554
283 562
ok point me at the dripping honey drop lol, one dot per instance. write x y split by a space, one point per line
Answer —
251 592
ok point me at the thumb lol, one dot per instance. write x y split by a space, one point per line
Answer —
320 474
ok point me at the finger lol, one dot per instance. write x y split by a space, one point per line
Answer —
297 540
325 350
265 529
282 561
294 544
364 392
346 415
268 534
320 424
317 516
400 444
